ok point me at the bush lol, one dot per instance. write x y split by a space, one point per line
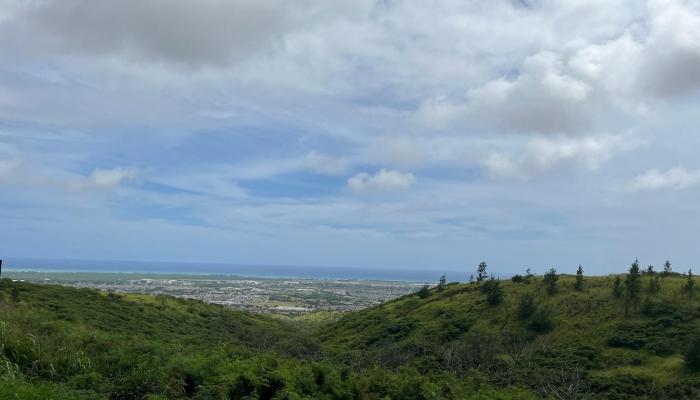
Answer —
692 355
541 321
424 292
526 306
550 281
517 278
493 291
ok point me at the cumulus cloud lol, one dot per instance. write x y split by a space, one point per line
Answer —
383 180
671 61
675 178
585 85
542 99
544 154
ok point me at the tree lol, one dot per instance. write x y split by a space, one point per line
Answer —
471 278
493 291
526 306
441 283
667 269
517 278
529 275
689 287
550 281
541 321
481 271
578 285
632 283
617 287
650 270
424 291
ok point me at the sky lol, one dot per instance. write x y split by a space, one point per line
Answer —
387 134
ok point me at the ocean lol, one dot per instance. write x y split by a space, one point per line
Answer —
258 271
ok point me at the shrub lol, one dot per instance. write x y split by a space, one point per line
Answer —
526 306
424 291
517 278
692 355
550 281
654 285
541 321
493 291
617 287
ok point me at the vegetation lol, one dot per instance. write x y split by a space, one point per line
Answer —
574 345
633 283
442 283
454 341
578 285
617 287
481 271
550 281
493 291
689 287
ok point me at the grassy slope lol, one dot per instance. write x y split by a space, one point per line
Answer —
93 340
617 348
64 343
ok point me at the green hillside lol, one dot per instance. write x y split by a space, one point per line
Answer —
64 343
491 340
564 343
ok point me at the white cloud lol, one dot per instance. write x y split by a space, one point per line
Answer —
675 178
325 164
544 154
544 98
103 179
671 63
384 180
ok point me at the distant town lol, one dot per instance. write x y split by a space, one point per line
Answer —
283 296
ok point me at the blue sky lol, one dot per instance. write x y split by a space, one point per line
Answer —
394 134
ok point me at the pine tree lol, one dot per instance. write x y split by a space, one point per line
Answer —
617 287
471 279
632 282
667 269
578 285
550 281
689 287
441 284
650 270
481 271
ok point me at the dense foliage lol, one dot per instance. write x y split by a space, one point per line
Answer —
564 343
487 340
